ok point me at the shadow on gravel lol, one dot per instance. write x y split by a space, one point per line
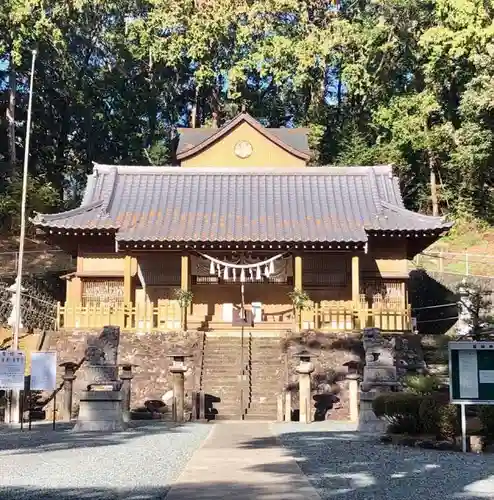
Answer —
82 493
352 466
43 438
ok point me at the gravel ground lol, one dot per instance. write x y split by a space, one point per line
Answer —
139 464
349 466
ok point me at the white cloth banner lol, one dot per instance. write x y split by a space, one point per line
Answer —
43 371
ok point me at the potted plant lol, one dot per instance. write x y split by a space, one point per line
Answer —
301 302
184 299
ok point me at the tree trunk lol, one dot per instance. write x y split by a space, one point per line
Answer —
11 118
434 200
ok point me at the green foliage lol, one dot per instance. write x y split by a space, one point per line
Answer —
401 410
448 423
429 415
410 413
184 297
422 384
486 415
408 83
300 300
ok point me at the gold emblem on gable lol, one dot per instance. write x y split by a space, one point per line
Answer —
243 149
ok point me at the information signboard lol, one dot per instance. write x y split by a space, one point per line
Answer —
12 365
471 368
43 371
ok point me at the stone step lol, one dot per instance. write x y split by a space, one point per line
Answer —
260 416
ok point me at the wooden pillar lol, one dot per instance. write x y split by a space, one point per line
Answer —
128 279
355 280
297 285
185 274
73 296
185 285
297 273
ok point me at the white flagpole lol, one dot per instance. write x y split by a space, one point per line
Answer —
15 340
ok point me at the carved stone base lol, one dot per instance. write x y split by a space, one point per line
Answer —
100 411
368 422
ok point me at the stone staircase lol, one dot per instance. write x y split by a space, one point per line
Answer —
266 372
236 396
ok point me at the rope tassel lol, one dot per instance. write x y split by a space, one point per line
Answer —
226 274
211 268
258 274
242 276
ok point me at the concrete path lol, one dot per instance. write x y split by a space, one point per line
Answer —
242 461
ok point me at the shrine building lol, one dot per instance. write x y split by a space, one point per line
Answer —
240 224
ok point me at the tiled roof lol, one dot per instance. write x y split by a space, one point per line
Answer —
309 204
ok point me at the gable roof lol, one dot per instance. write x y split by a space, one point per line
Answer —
194 140
309 204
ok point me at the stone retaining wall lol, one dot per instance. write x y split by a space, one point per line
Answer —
148 351
331 351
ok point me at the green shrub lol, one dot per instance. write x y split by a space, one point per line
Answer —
449 423
401 410
422 384
429 415
486 416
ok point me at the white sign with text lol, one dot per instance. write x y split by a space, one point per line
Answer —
43 371
12 366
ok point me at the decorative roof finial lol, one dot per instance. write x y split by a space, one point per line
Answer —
244 108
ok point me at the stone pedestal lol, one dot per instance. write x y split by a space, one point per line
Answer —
126 377
304 369
367 420
100 407
178 393
68 389
379 376
178 369
100 411
288 406
353 396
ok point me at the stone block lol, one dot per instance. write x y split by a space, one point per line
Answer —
100 411
379 374
475 444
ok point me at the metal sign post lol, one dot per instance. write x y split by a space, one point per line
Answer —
471 377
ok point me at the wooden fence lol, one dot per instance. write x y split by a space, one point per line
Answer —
166 316
335 317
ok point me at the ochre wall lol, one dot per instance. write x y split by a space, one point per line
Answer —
209 299
89 262
386 257
265 153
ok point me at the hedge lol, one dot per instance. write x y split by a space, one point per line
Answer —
409 413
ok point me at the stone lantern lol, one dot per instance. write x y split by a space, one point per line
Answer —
126 377
68 388
304 369
178 369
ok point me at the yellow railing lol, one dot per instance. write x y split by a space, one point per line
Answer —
337 316
165 316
